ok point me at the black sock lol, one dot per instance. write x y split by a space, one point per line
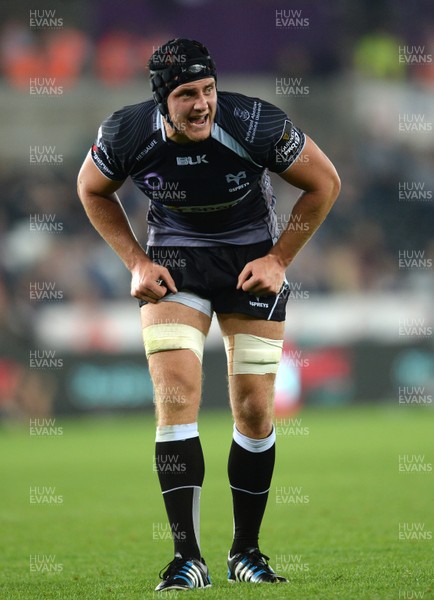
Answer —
250 476
181 469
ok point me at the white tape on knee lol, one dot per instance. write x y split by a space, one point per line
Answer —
173 336
251 354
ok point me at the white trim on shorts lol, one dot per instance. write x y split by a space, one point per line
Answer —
189 299
270 314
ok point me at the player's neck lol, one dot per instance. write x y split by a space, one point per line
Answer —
174 135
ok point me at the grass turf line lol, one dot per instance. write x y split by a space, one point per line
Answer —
107 534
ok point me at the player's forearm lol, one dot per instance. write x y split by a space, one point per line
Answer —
110 220
307 215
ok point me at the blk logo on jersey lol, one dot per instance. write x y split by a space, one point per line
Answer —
183 161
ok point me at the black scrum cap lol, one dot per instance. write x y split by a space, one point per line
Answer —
178 61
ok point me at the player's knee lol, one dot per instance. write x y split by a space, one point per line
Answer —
252 355
175 389
253 408
256 424
173 336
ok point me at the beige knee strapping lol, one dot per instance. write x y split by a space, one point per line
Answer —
251 354
173 336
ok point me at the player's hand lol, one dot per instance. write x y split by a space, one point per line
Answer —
150 281
262 277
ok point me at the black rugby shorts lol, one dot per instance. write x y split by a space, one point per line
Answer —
212 273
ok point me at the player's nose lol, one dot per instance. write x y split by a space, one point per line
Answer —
200 102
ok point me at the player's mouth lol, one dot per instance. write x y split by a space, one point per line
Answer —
200 121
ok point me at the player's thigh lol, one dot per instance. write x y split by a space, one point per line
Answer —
176 373
233 323
174 312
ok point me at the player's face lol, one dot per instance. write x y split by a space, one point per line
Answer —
192 107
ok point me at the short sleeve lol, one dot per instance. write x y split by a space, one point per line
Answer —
103 150
286 148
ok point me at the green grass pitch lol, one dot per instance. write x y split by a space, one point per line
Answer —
342 520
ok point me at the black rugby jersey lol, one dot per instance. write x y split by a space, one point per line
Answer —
207 193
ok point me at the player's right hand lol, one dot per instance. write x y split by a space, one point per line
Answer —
150 281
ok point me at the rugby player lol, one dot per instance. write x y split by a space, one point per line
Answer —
203 158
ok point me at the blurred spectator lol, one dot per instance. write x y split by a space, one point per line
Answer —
376 55
43 55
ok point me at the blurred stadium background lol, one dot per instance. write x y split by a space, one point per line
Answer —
358 77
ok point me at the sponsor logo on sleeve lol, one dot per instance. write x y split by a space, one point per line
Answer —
288 142
101 146
98 160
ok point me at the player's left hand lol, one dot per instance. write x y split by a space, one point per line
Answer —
262 277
